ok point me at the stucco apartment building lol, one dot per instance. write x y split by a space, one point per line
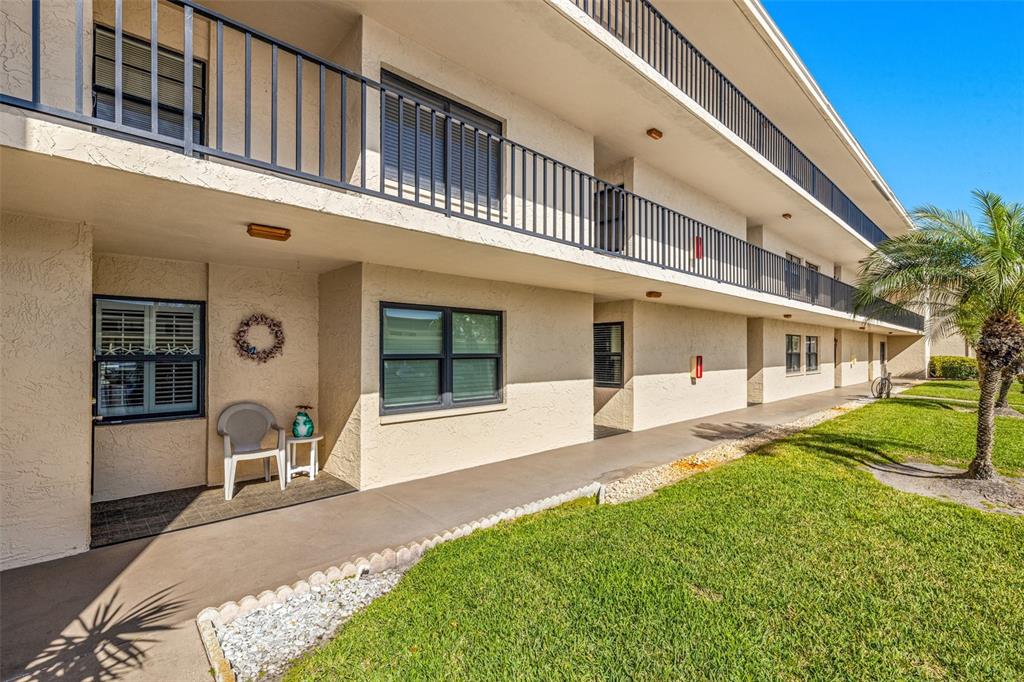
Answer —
508 223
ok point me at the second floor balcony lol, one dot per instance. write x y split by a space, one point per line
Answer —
226 91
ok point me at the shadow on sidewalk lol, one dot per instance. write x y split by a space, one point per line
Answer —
107 643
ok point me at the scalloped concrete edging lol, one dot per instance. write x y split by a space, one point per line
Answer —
388 558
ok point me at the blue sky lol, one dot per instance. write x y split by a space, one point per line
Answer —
934 91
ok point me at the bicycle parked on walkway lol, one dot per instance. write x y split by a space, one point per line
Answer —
882 386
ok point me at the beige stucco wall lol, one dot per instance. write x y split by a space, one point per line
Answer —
651 183
854 358
767 379
613 407
340 360
548 378
290 379
951 344
666 337
659 341
907 356
137 459
775 239
57 46
45 411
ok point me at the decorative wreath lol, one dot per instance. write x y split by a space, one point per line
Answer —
260 355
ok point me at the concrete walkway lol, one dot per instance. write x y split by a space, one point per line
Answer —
126 611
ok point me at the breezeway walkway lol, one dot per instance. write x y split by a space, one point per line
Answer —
136 602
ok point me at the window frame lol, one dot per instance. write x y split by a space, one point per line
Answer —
808 353
621 355
199 119
199 359
446 357
799 354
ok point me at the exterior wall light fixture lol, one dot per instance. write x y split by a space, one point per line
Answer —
653 294
654 133
277 234
787 216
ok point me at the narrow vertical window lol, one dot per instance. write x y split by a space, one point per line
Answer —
812 353
792 354
608 344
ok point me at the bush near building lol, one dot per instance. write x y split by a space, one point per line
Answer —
952 367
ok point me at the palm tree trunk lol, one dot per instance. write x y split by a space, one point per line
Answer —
1006 376
981 467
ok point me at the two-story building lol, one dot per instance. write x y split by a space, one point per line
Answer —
480 230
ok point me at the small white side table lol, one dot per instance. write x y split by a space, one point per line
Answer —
292 443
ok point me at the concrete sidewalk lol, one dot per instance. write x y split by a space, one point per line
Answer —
127 610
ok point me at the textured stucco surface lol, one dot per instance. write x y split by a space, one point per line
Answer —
666 337
951 344
907 356
548 378
340 345
767 377
854 361
57 48
45 412
654 184
235 293
660 341
136 459
119 275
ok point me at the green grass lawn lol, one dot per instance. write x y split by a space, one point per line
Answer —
792 563
961 390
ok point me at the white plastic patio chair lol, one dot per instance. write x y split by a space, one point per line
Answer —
244 426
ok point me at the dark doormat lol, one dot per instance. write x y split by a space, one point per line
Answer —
131 518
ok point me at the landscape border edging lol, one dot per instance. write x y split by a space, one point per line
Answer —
388 558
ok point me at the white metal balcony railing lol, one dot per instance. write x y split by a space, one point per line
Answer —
422 156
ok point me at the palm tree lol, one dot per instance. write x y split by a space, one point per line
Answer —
959 271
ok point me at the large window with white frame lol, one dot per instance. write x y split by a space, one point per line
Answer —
437 357
148 359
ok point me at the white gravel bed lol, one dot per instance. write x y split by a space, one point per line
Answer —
646 482
260 644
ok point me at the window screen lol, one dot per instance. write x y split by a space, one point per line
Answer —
136 102
608 354
148 358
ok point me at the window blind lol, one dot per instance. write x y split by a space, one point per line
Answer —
608 363
136 79
148 358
